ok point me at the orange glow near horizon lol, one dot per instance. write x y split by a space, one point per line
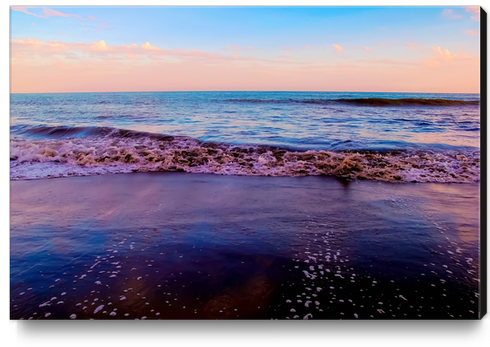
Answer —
54 66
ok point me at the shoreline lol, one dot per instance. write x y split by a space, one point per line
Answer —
242 247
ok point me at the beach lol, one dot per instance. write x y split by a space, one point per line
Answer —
177 245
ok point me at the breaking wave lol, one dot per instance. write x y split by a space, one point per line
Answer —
368 101
110 150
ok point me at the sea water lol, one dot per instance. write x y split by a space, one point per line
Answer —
177 245
381 136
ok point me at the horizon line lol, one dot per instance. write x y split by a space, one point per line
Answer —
241 91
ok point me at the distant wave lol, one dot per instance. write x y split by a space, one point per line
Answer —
407 102
111 150
368 101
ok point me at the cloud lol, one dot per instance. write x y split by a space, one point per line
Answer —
197 70
449 14
367 48
130 56
414 45
56 45
287 48
36 48
444 56
472 32
388 42
308 46
30 41
22 9
338 48
475 10
147 45
91 17
48 12
99 46
234 48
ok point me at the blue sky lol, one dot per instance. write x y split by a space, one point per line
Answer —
211 28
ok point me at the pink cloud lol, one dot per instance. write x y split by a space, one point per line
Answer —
55 66
47 12
99 46
57 45
475 10
367 48
308 46
30 41
338 48
449 14
91 17
472 32
442 54
22 9
234 48
445 57
53 13
86 75
147 45
414 45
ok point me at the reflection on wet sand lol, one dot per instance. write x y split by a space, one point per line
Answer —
180 246
244 302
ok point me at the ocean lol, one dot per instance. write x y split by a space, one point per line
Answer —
411 137
245 205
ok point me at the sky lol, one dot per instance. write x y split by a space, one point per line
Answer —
115 48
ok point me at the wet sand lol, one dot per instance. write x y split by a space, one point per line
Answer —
199 246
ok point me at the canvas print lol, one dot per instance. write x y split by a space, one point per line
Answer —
289 163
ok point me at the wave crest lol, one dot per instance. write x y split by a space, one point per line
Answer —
367 101
121 151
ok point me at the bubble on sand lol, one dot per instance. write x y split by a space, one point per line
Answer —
73 316
98 308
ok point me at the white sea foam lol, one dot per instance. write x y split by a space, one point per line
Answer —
115 153
98 308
